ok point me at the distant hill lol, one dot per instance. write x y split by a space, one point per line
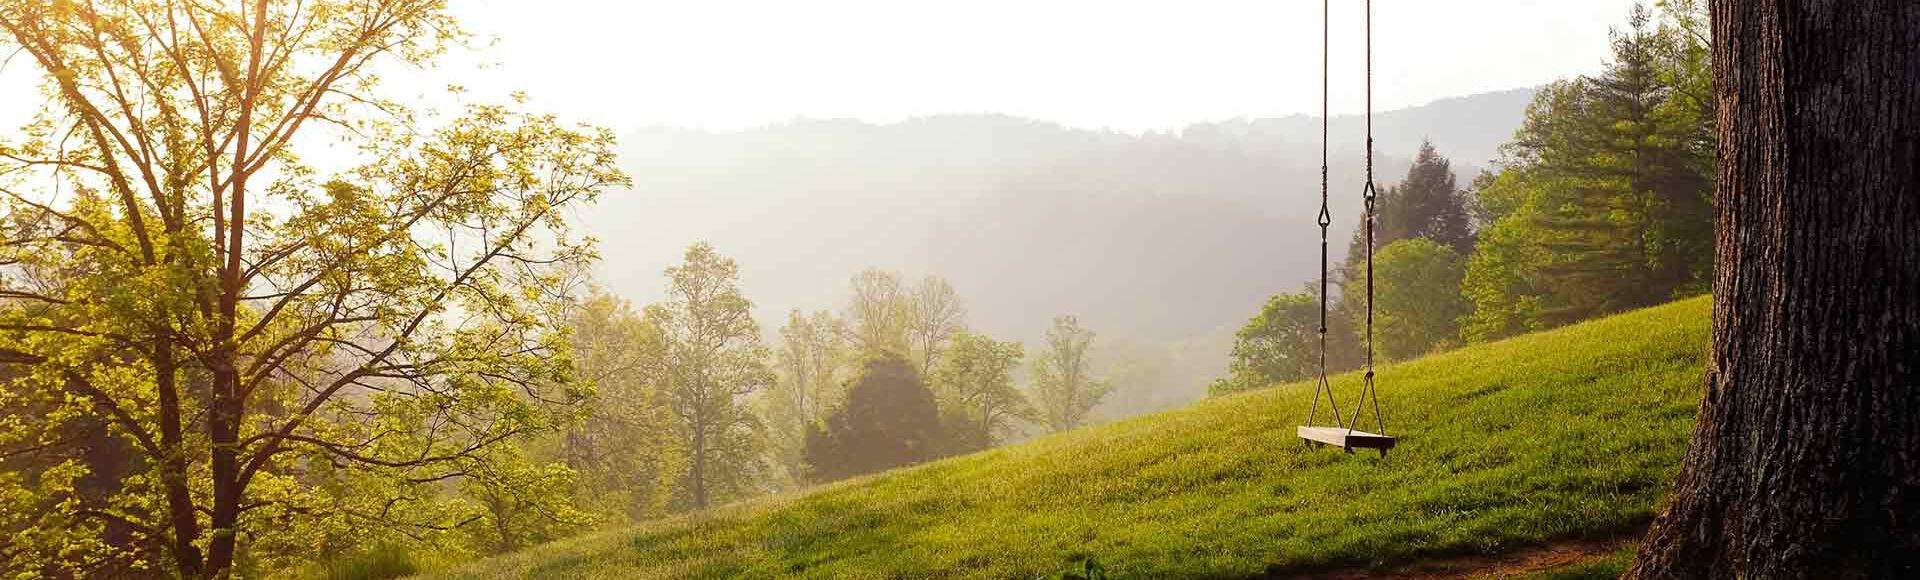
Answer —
1568 434
1154 237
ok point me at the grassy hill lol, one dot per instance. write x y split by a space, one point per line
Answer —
1560 435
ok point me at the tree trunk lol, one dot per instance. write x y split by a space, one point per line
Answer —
699 474
181 515
223 429
1806 457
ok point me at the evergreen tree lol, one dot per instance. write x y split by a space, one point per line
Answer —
1427 203
1604 204
889 420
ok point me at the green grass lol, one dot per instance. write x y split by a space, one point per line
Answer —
1567 434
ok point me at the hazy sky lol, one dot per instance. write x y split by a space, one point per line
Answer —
1093 63
1133 66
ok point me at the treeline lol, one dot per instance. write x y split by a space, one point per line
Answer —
1602 202
688 409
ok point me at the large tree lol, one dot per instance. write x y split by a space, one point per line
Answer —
275 343
974 384
714 362
889 420
1803 462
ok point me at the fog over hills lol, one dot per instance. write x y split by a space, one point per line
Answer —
1151 239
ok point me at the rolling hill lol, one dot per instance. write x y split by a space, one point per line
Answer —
1569 434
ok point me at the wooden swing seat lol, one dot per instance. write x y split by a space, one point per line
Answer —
1345 439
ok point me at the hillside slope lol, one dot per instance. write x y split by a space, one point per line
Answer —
1566 434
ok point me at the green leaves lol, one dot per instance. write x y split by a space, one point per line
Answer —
1417 303
253 344
1064 387
974 385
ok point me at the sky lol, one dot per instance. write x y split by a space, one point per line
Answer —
1123 65
1114 64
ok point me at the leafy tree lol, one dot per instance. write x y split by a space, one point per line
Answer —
1064 386
714 361
1281 344
974 385
279 348
626 451
935 316
812 351
880 314
1417 302
1604 204
518 505
889 420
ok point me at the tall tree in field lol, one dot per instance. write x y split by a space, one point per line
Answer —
880 314
812 353
974 385
275 343
935 315
714 362
1064 387
1803 461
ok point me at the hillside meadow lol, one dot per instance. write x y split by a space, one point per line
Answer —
1561 435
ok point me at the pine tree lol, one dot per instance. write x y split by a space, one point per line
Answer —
1604 202
1427 203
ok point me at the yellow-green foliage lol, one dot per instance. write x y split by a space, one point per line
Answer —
1572 433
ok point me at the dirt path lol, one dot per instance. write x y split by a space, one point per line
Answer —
1539 559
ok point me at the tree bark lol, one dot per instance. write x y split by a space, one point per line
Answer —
173 467
1805 460
699 474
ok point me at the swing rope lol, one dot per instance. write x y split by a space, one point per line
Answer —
1367 387
1325 219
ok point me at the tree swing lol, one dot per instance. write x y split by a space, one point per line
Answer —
1345 433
